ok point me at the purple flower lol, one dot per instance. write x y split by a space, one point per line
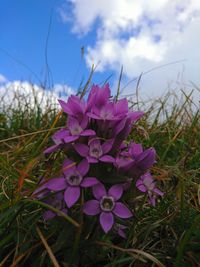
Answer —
100 108
58 138
72 180
95 151
144 161
97 129
135 161
147 184
57 202
107 205
52 149
110 111
42 192
122 128
75 107
105 113
122 110
129 154
119 229
98 97
74 131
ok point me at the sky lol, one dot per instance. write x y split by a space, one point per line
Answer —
56 42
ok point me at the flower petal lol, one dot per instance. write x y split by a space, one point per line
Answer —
89 181
120 126
136 115
69 166
147 159
139 184
51 149
82 149
88 133
92 160
157 191
91 207
93 116
56 184
70 138
152 201
121 106
60 135
71 195
48 215
122 211
76 105
99 191
135 149
83 167
142 188
98 96
127 184
107 158
106 221
116 191
65 107
107 146
121 233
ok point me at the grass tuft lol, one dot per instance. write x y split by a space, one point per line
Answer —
167 235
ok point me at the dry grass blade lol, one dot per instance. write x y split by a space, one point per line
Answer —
88 82
119 83
137 89
25 171
20 257
2 263
132 252
147 256
28 134
50 130
48 249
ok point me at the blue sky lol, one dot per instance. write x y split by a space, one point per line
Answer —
24 26
140 35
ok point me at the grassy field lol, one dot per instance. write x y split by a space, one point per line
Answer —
167 235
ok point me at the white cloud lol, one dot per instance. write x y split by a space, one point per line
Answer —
63 90
141 35
2 79
17 93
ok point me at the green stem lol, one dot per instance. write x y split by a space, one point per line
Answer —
59 212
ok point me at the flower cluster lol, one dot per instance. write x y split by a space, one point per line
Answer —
98 157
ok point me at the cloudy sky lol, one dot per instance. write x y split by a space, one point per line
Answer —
159 38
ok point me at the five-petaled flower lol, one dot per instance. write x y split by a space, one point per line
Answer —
147 184
95 151
107 205
71 181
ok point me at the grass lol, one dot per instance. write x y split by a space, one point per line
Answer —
167 235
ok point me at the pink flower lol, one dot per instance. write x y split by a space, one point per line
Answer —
147 184
107 205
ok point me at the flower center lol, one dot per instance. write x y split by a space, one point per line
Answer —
148 184
105 114
107 203
76 130
96 152
74 178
